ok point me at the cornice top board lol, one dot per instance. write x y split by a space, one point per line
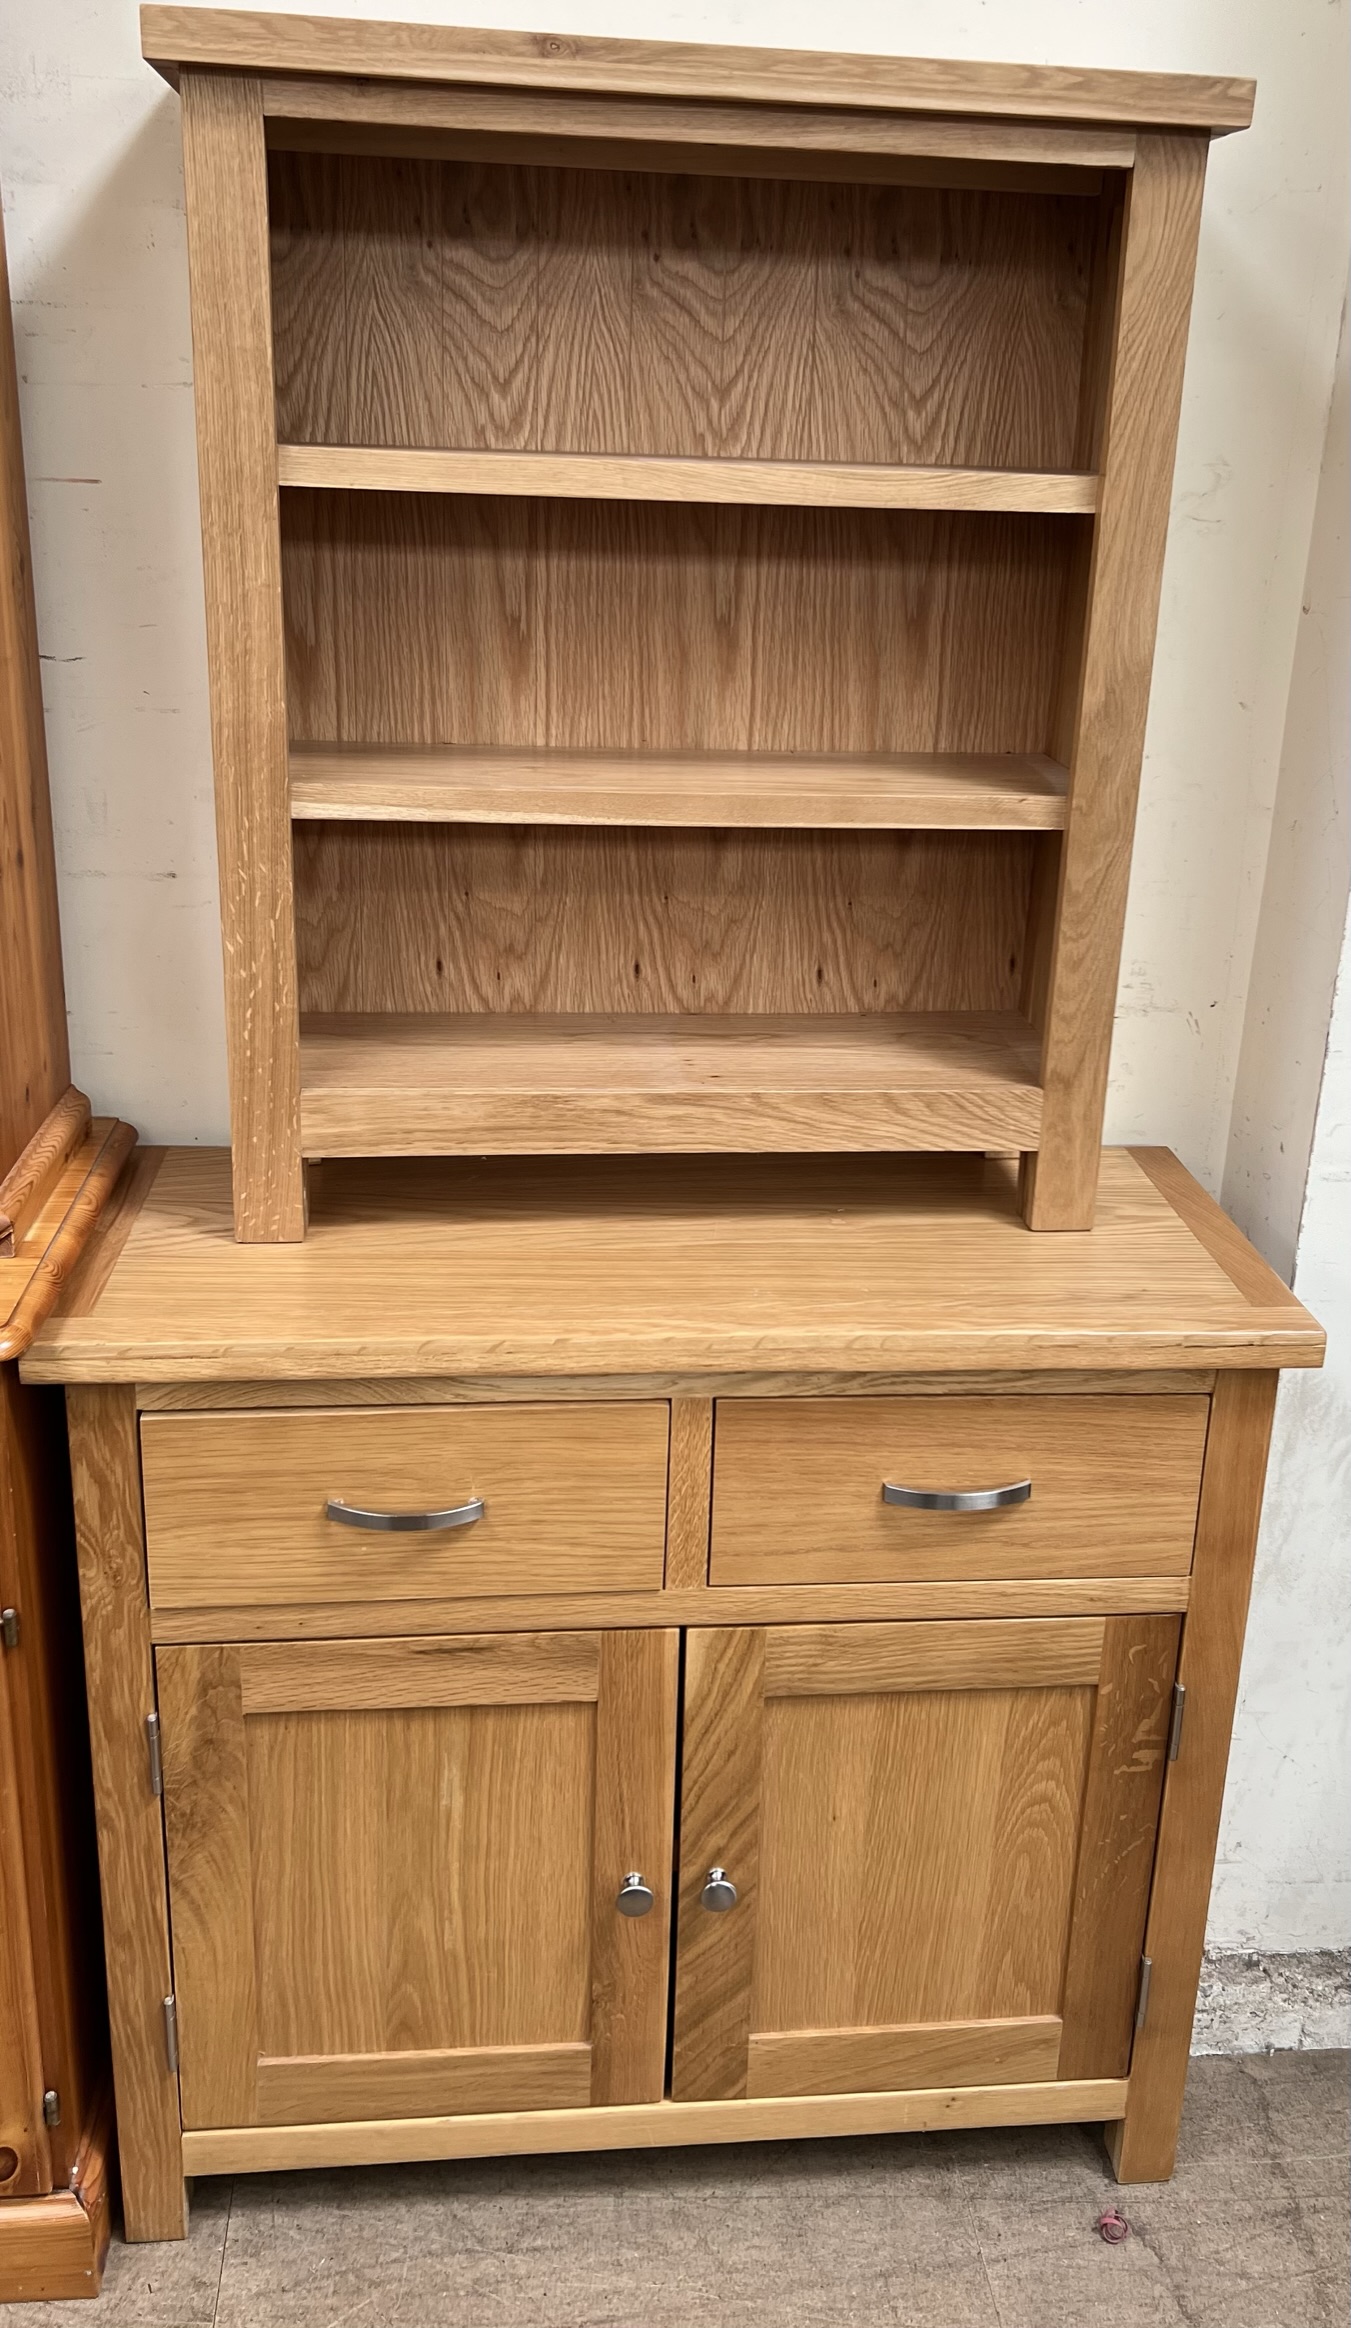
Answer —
256 41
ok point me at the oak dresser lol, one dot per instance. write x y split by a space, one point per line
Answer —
632 1651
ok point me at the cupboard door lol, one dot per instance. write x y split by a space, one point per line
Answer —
940 1838
393 1869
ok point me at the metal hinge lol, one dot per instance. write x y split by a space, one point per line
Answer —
1142 2001
9 1628
1175 1726
156 1759
171 2031
51 2107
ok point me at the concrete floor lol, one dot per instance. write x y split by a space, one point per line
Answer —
990 2230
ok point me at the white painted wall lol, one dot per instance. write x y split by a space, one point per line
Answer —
90 171
1283 1875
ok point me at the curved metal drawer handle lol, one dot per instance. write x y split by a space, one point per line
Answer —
404 1523
968 1499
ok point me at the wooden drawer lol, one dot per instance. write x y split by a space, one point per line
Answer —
574 1500
797 1487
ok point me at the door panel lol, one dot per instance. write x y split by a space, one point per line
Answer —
941 1837
393 1869
855 2061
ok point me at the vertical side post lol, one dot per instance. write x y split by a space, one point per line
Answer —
1143 2143
225 179
1143 401
119 1676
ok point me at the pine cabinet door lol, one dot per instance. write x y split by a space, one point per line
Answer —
393 1869
940 1839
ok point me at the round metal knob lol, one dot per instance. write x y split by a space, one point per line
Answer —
719 1893
635 1896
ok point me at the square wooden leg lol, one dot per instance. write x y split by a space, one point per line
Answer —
1142 2145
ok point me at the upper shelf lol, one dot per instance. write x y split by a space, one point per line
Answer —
441 784
255 41
648 477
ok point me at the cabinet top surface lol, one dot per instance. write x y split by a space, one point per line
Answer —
665 1266
255 41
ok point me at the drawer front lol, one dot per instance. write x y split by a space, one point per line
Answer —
574 1499
797 1487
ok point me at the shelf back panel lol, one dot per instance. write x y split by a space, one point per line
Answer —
544 919
516 308
417 619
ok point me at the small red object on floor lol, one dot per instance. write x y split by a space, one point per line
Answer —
1113 2227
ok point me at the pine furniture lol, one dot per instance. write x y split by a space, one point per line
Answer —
919 1804
682 533
58 1169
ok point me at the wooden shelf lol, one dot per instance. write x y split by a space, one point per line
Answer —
495 1085
628 477
975 792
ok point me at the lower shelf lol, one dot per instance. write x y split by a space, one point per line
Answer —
488 1085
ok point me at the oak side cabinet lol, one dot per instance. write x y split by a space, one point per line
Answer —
657 1650
682 533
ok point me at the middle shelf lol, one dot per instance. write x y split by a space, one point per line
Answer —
389 1084
664 477
471 784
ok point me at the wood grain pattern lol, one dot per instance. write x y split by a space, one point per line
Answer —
478 1389
1255 1278
52 2249
32 1176
226 192
421 1879
520 922
651 2125
917 1855
105 1480
502 1085
574 1496
553 127
798 1488
473 1669
599 476
251 40
207 1816
53 2030
805 1661
419 784
423 2085
1143 2141
1143 399
394 1866
955 2053
634 1815
607 132
111 1144
461 620
1116 1850
686 1268
771 1604
490 260
719 1826
34 1048
689 1493
25 2158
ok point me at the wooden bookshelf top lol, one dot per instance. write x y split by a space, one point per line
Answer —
821 1270
256 41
